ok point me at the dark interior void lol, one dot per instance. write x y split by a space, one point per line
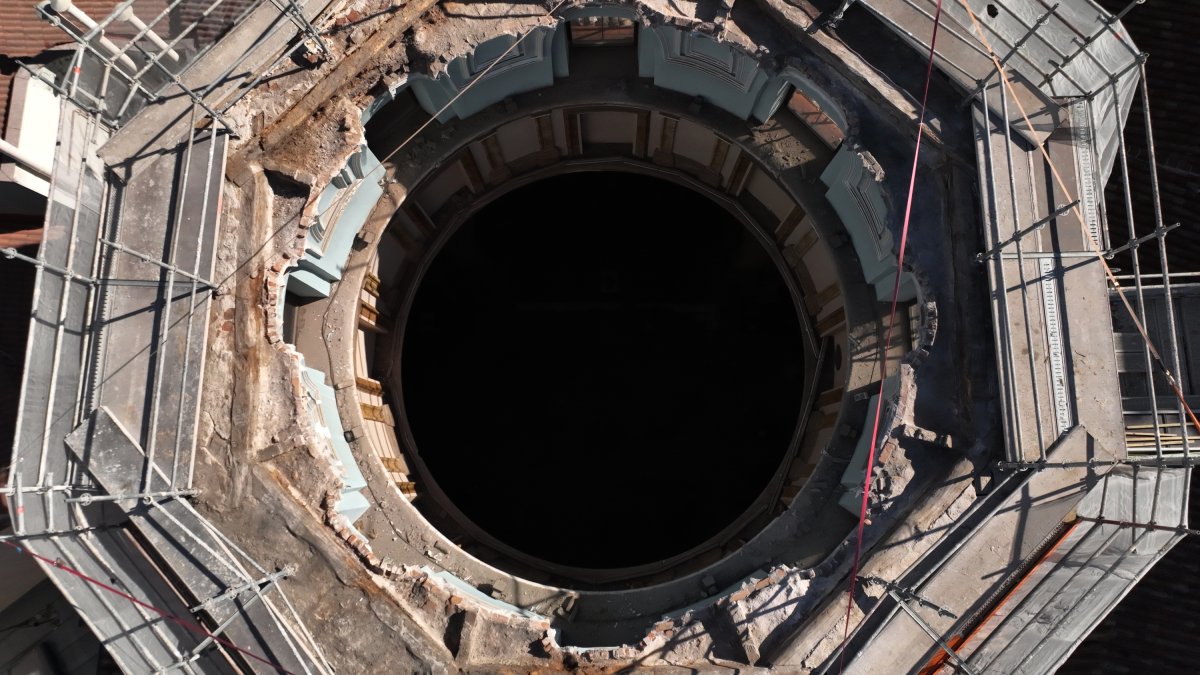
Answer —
602 369
20 228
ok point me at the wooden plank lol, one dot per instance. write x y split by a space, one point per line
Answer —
789 224
371 285
830 397
368 314
369 386
395 464
835 319
374 413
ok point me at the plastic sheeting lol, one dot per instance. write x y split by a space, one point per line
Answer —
1086 574
1078 50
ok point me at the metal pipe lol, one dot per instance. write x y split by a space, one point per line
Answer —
1013 52
1134 243
993 502
31 163
1039 224
1173 339
1016 223
12 253
164 320
1137 277
144 31
197 98
213 635
1179 530
1149 275
291 9
1021 602
63 311
87 497
230 548
1096 463
1105 544
1090 39
183 33
40 267
1015 450
187 340
235 591
1087 595
66 7
169 641
41 489
76 64
958 661
229 561
155 261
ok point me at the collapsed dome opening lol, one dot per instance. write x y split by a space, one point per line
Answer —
602 369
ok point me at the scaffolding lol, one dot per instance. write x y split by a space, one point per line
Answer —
115 355
1121 445
115 487
80 506
115 77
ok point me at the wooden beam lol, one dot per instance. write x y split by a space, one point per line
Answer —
789 223
374 413
641 137
665 152
369 386
720 153
741 172
348 69
830 323
495 156
470 167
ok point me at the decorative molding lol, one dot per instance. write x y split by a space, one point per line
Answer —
855 180
702 53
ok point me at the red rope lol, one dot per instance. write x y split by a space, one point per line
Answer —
887 341
190 625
